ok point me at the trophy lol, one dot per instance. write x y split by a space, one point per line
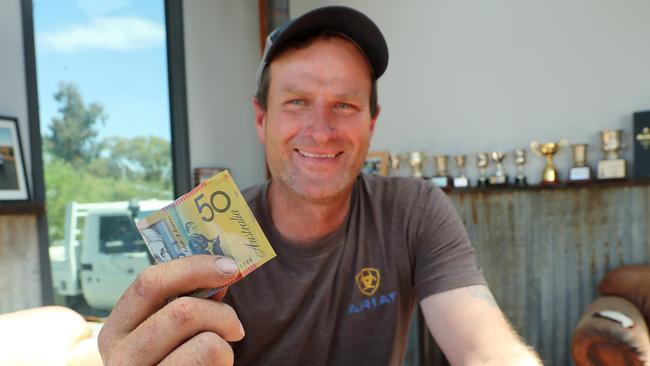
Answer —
644 138
612 167
520 160
461 181
641 142
442 178
550 175
482 162
580 171
416 161
395 162
499 178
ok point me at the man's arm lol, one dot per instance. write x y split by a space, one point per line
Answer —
471 329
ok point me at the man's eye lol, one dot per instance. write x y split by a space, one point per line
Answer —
297 102
343 105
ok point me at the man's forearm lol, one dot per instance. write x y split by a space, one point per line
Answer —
521 356
471 329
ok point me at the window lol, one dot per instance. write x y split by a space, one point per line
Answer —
118 234
106 132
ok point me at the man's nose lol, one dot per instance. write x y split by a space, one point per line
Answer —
322 123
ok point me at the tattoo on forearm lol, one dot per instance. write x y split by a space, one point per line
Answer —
483 293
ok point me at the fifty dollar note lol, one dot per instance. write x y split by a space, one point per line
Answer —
213 218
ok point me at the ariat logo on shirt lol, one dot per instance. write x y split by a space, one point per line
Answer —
368 280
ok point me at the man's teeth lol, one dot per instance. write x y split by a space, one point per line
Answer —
321 156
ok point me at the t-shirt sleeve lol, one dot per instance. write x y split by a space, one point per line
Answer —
444 258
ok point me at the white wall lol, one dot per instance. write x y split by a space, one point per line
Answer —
20 270
222 51
468 76
13 88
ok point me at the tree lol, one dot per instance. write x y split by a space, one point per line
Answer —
80 168
150 155
73 135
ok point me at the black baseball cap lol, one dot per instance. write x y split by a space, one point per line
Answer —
350 23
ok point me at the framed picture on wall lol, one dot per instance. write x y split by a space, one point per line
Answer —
376 163
13 179
204 173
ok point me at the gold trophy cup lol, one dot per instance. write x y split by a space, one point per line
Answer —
613 167
395 162
482 161
580 171
499 178
461 181
520 161
416 161
550 175
442 178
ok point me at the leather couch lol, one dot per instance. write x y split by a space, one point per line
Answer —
613 329
50 335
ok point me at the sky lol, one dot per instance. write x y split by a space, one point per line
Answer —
5 137
115 52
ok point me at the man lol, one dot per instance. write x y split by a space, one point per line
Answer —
199 243
355 253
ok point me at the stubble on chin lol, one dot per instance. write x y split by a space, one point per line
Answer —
316 190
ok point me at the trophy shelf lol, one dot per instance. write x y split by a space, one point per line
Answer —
595 184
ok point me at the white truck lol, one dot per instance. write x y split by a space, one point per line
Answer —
102 252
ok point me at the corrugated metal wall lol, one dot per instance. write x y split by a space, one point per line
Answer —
544 250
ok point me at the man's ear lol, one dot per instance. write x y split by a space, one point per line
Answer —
373 120
260 120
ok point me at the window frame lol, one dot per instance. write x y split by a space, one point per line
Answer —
178 119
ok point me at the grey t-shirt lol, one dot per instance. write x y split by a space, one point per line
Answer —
348 299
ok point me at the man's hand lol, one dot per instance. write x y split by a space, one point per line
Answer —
144 329
471 329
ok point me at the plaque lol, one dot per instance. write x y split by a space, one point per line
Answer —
642 145
550 175
442 178
461 181
499 178
580 171
520 161
201 174
613 167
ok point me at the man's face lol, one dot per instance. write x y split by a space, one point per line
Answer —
317 125
191 228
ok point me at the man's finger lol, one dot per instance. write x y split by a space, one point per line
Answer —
150 291
177 322
203 349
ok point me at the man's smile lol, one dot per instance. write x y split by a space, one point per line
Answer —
318 155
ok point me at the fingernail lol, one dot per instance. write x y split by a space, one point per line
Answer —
227 265
241 327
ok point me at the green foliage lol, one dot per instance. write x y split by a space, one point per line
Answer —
147 154
73 135
79 168
65 184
